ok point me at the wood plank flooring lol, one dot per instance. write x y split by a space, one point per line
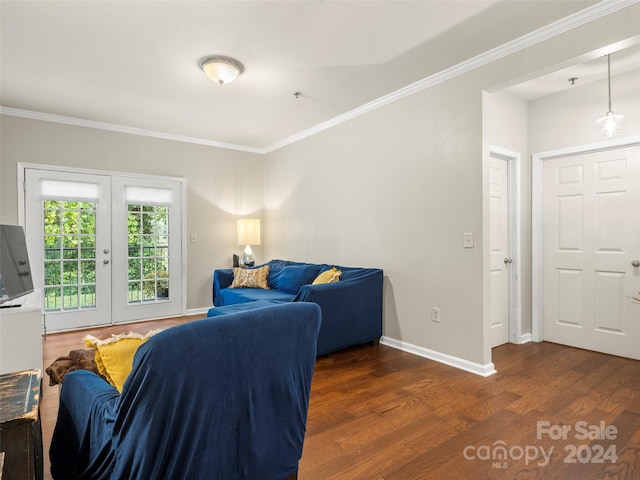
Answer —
379 413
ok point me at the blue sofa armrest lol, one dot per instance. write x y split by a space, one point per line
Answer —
351 308
222 278
88 409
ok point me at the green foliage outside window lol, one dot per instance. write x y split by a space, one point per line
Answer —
70 254
148 253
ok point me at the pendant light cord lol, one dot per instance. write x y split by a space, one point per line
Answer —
609 77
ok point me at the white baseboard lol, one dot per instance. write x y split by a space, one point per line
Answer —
526 338
197 311
462 364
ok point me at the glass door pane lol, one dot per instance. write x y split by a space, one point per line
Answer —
148 253
69 238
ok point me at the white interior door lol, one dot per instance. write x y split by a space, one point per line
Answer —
591 242
500 260
68 230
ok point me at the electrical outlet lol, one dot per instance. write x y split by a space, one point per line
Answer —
194 238
435 314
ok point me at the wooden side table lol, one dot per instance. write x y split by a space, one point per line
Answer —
20 428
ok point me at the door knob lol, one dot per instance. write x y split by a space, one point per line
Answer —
635 263
106 250
105 262
508 260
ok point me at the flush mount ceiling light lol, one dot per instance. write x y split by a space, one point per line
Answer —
222 69
610 124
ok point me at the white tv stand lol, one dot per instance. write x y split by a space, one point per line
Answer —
21 335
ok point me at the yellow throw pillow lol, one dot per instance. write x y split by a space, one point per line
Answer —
328 276
250 277
114 356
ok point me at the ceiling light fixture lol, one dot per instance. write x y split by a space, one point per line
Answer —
222 69
610 124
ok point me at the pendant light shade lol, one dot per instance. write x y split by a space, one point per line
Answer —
611 124
222 69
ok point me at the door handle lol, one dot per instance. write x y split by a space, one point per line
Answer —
635 263
106 262
508 260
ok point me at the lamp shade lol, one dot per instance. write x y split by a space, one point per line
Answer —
249 231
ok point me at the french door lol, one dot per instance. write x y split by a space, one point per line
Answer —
68 230
104 248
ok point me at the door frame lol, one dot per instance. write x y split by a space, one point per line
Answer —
21 181
514 181
537 219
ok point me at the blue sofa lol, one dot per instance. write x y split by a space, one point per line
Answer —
351 308
217 399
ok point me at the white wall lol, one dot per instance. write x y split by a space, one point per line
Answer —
398 187
507 124
221 184
507 119
380 192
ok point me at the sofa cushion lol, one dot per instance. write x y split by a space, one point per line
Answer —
241 307
250 277
328 276
290 279
114 355
232 296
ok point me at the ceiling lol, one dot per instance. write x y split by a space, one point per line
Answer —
582 73
136 63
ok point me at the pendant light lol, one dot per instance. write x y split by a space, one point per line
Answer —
611 123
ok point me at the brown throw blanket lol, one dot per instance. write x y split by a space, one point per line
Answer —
76 360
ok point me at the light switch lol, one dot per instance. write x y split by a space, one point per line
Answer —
194 238
468 240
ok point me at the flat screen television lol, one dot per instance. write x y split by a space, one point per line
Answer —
15 273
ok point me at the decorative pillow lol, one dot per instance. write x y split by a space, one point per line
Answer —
328 276
292 278
250 277
114 356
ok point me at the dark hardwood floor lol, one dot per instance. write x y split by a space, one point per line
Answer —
551 412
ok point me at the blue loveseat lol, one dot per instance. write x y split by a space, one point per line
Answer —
351 308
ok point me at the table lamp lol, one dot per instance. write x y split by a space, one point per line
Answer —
248 234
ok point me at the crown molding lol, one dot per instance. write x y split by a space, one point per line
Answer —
79 122
554 29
